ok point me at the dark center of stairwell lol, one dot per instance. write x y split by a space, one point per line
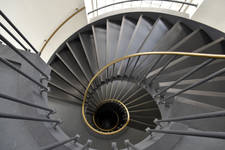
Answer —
110 116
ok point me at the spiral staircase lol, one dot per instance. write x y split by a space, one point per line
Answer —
136 81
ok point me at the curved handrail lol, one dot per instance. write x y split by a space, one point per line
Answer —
128 1
57 29
216 56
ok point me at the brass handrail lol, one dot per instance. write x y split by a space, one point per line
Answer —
57 29
216 56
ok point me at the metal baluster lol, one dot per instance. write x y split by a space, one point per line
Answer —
162 69
22 73
211 76
114 146
20 117
194 117
218 135
22 55
134 66
129 145
14 27
13 37
186 75
26 103
126 66
87 145
53 146
153 66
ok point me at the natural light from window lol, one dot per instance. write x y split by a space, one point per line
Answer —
113 5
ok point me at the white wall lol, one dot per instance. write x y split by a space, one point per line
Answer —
77 22
37 19
211 12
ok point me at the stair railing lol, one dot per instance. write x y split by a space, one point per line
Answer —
44 76
217 135
193 117
115 66
16 29
58 144
3 39
21 117
13 99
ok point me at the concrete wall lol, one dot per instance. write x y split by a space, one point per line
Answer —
37 19
211 12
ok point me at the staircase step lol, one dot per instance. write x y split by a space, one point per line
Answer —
60 67
159 29
186 61
141 32
112 39
77 51
71 63
193 41
56 80
87 41
126 31
208 97
175 34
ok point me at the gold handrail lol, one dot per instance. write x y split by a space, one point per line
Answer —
134 55
57 29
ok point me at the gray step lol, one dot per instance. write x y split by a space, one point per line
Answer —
128 87
199 143
126 31
60 67
158 140
56 80
88 44
78 53
139 99
187 107
71 63
178 32
144 103
185 61
173 36
124 87
112 38
130 91
118 88
31 135
63 99
159 29
203 96
136 94
141 32
136 124
145 112
193 41
54 86
99 34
